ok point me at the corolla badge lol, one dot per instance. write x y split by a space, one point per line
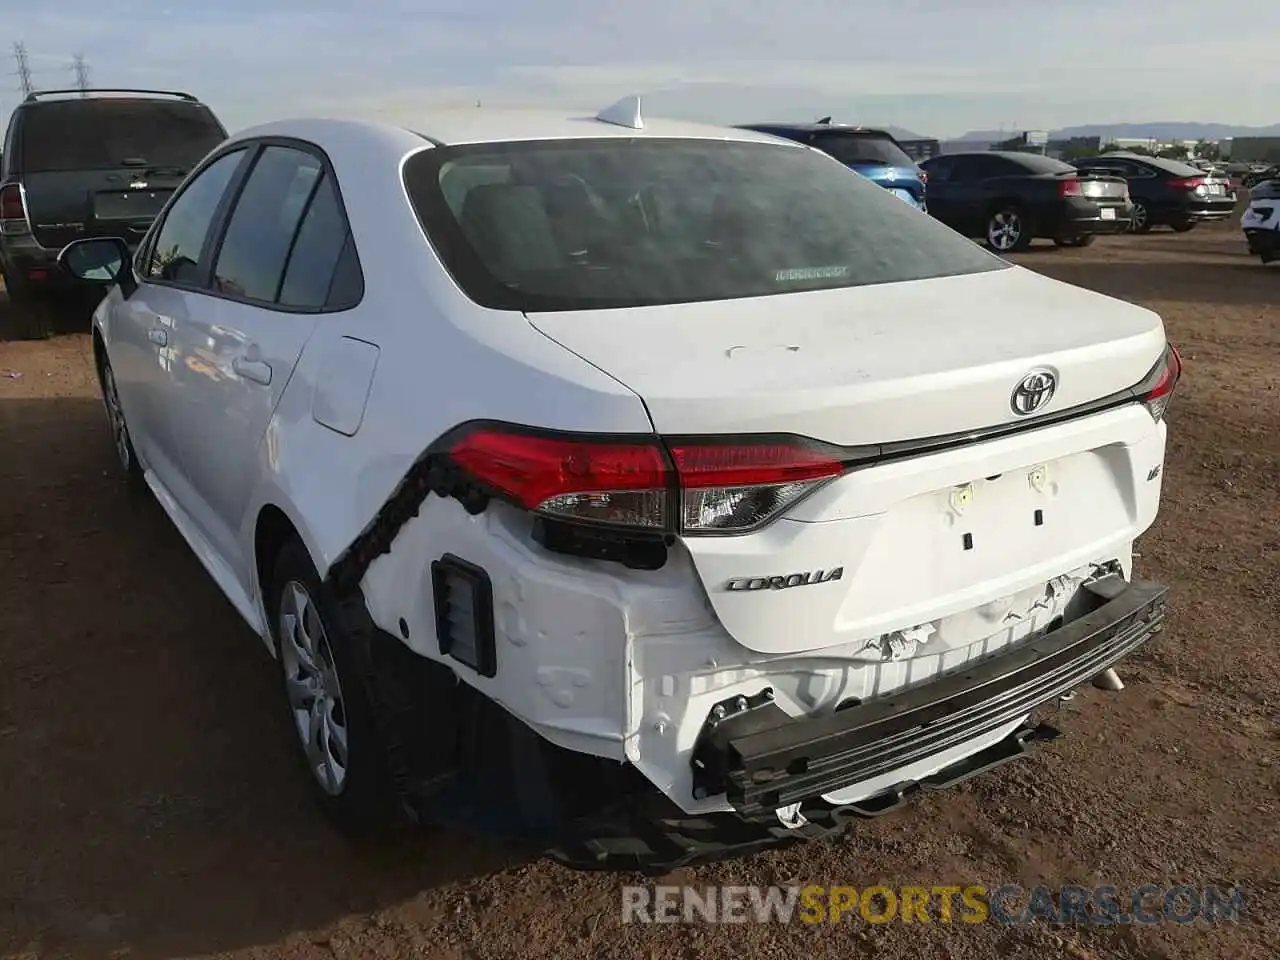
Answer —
782 582
1034 390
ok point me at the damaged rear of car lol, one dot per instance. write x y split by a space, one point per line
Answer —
644 490
884 507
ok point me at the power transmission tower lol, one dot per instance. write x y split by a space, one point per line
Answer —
24 68
82 74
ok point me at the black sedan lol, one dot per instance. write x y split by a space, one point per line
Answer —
1010 198
1166 192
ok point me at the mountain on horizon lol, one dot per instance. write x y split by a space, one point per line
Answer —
1156 130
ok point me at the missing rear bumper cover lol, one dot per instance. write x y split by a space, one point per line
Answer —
763 759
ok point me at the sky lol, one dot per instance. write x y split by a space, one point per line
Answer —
935 67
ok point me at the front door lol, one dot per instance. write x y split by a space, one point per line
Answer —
142 326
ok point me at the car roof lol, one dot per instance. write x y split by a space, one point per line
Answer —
816 128
471 125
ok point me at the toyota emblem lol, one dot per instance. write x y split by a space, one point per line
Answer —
1033 391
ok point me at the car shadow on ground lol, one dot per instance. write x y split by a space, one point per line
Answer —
151 796
71 315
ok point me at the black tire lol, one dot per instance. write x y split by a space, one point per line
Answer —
1081 241
120 436
1008 221
1141 221
1183 226
33 314
364 805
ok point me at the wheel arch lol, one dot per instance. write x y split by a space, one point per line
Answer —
273 527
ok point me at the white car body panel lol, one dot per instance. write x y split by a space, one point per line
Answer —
619 663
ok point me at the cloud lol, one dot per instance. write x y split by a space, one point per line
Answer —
939 67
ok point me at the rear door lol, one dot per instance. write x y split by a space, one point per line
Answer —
239 343
99 166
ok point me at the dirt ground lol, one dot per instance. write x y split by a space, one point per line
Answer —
150 806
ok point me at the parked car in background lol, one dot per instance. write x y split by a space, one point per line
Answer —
77 166
873 153
1261 220
1010 198
1166 192
577 474
1258 174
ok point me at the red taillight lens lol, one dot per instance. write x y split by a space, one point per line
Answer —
716 487
1070 187
621 483
924 177
1161 382
1187 183
11 203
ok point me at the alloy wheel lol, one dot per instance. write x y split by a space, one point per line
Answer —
315 693
115 417
1004 230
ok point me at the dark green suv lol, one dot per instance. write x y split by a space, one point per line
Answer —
81 164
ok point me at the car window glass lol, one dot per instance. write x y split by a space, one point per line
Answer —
597 223
347 286
970 168
862 149
175 255
315 254
262 226
939 169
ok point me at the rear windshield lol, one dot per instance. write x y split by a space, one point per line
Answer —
862 148
1174 167
1038 163
93 134
582 224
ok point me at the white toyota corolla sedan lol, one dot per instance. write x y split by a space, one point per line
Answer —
648 490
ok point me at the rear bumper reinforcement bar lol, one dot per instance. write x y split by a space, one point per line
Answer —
763 759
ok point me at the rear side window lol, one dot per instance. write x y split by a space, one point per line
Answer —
262 227
581 224
862 148
316 251
102 134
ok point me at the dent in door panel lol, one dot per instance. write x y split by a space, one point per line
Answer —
342 385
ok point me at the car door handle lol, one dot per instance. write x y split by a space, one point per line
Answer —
158 336
259 371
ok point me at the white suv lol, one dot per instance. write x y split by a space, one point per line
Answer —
647 489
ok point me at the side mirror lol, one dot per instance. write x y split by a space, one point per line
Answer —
103 260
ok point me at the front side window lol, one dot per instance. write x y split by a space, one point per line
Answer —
582 224
175 255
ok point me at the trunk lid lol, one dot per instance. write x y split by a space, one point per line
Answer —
869 365
885 364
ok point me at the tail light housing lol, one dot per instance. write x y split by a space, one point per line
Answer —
924 177
690 487
1070 187
1156 389
1187 183
11 205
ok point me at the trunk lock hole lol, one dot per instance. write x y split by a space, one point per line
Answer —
967 540
1039 518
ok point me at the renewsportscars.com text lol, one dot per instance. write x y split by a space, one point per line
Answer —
969 904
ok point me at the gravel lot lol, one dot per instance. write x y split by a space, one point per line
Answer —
150 806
